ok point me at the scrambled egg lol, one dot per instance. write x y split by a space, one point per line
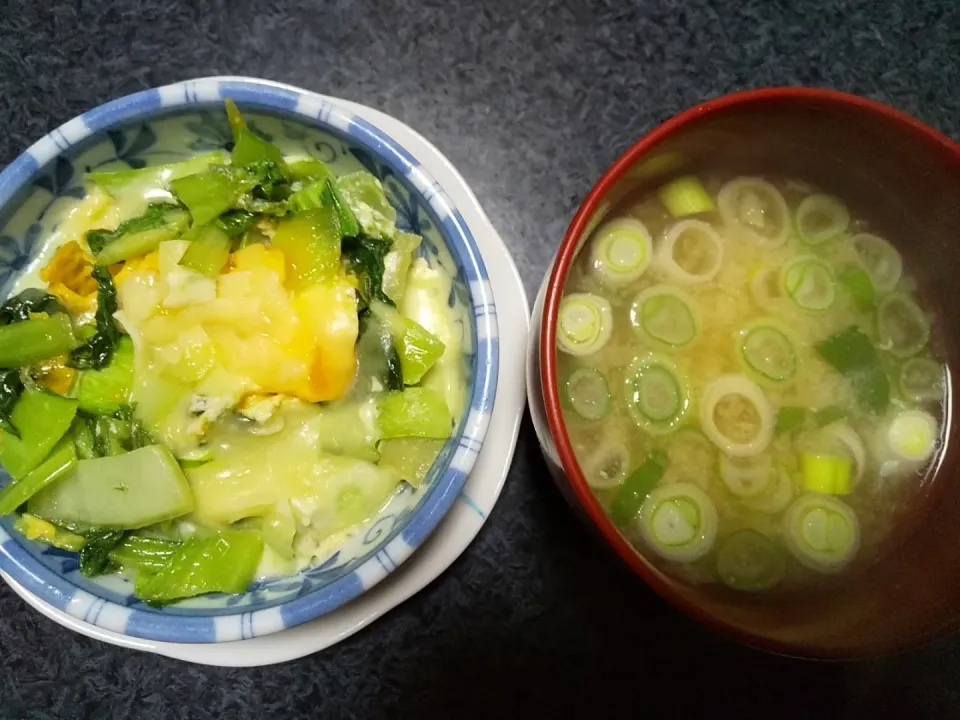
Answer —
243 333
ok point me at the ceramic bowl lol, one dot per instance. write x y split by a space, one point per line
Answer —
908 177
175 121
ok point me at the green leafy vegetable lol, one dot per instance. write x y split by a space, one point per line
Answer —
311 243
367 199
414 412
236 222
138 236
61 461
27 303
324 193
11 387
304 170
208 252
830 414
97 352
377 358
143 553
154 176
224 562
365 259
104 391
123 492
790 418
95 554
23 343
42 419
81 432
852 354
213 192
248 147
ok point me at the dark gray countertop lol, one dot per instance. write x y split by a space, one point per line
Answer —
531 100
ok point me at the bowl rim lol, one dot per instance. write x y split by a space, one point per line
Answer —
402 540
659 581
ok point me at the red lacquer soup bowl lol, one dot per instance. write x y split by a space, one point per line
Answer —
905 178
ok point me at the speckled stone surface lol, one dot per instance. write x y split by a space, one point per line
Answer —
531 100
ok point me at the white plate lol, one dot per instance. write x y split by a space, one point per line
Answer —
466 517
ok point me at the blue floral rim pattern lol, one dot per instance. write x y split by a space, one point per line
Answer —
394 541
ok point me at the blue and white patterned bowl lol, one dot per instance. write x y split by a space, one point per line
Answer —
175 121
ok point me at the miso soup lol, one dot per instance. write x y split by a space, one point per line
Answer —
749 379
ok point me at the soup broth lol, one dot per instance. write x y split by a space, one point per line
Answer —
750 381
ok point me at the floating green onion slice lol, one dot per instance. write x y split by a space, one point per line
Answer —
826 474
585 323
607 464
767 350
921 379
757 208
912 435
640 483
685 196
809 282
747 476
691 252
736 416
665 316
903 328
679 522
776 497
820 218
765 288
621 251
880 259
587 394
822 532
656 395
749 561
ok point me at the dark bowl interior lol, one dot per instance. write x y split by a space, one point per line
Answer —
905 179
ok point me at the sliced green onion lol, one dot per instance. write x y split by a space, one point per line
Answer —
912 435
691 252
587 394
846 436
640 483
880 259
621 251
830 414
902 326
585 323
790 419
858 283
657 396
852 353
608 463
776 497
746 414
685 196
822 532
665 317
921 379
679 522
766 349
747 477
765 288
821 218
809 282
756 208
749 561
826 474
